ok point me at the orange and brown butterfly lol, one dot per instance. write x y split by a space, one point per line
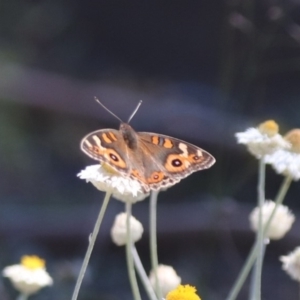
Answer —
155 160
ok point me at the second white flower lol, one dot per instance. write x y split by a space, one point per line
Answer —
280 224
119 230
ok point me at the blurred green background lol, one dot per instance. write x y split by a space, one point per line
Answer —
204 70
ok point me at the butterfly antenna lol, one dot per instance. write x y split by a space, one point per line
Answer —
134 112
97 100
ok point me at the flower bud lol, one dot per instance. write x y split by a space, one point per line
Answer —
119 230
291 264
168 279
281 223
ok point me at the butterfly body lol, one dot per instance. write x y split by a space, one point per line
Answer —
155 160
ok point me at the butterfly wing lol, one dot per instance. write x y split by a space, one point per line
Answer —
167 160
107 145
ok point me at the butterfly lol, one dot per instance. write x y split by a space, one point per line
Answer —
155 160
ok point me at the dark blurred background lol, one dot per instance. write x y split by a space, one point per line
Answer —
204 70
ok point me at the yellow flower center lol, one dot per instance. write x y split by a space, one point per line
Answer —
183 292
293 137
32 262
269 128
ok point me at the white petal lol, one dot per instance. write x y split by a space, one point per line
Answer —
27 281
260 144
285 162
122 188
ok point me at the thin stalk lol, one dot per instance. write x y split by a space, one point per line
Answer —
278 200
22 297
153 241
260 231
252 286
253 253
243 274
142 274
129 257
92 240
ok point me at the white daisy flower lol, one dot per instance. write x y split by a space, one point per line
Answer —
291 264
119 230
281 223
167 278
29 276
107 180
287 161
262 140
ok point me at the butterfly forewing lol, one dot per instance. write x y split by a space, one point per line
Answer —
106 146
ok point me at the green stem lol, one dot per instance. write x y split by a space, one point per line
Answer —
253 253
153 241
129 258
252 283
279 199
92 240
260 232
142 274
243 274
